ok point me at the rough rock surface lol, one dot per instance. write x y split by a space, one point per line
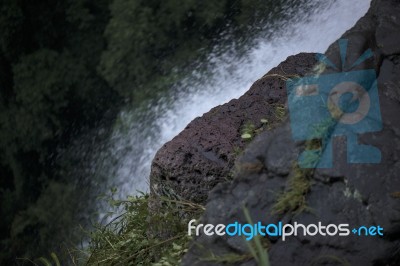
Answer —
358 194
203 154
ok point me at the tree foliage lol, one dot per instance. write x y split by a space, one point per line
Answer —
63 66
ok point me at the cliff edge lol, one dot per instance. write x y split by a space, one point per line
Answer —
266 180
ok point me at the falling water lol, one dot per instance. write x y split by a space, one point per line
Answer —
137 137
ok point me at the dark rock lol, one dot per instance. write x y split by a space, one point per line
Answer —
203 154
357 194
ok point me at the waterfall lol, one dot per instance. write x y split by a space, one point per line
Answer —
137 137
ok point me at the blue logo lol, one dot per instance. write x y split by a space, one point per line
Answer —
345 103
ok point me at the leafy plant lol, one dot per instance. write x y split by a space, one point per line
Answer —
42 261
47 262
248 131
140 237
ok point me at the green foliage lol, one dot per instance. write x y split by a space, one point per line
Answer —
64 67
259 253
257 250
149 40
248 131
41 91
280 112
293 198
47 262
42 261
49 93
139 237
58 206
153 43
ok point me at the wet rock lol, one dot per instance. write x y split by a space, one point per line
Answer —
203 154
357 194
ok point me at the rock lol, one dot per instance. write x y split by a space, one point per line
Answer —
357 194
203 154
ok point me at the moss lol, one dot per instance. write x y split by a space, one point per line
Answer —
280 112
237 151
249 130
294 198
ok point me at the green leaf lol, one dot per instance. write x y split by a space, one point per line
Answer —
45 261
246 136
55 259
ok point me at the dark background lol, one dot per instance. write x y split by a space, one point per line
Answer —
68 66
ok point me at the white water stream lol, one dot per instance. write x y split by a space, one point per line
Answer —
134 143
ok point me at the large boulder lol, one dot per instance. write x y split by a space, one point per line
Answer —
270 185
203 154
